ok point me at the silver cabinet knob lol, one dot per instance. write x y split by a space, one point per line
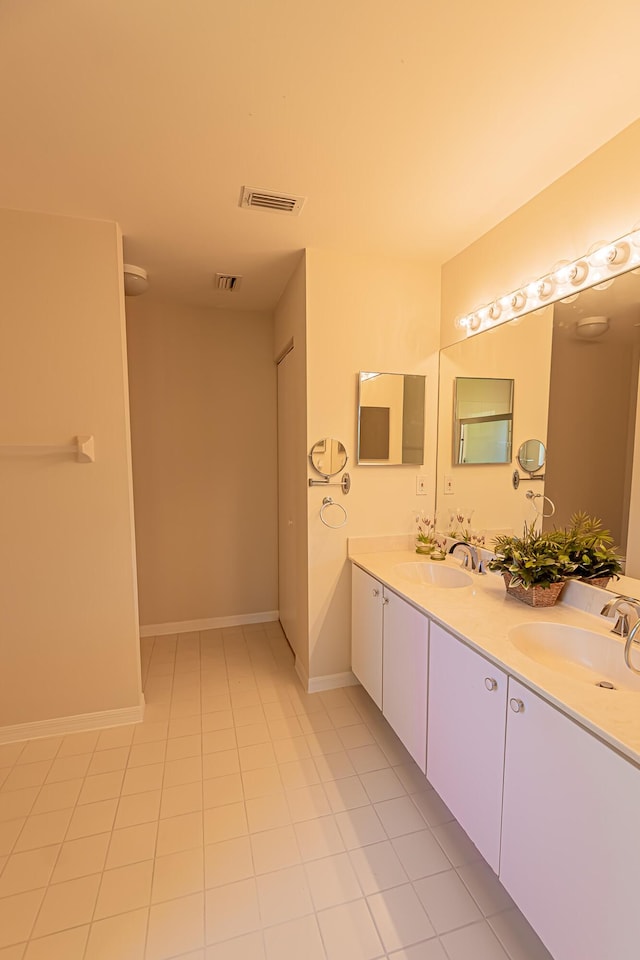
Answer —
490 683
385 600
375 593
516 705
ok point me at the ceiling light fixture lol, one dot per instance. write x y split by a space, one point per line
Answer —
598 267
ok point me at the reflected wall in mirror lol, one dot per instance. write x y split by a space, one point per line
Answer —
532 455
483 414
518 352
328 456
578 394
390 418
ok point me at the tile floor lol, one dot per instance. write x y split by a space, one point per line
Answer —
243 820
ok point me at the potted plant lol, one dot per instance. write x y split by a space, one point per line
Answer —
534 566
591 549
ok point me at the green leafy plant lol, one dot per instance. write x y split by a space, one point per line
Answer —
533 560
589 547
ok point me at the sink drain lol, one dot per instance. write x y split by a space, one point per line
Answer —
605 684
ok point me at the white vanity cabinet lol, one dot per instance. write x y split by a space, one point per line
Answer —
405 646
466 735
570 833
366 632
389 652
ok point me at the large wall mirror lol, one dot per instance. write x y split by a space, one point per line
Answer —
483 413
390 418
575 366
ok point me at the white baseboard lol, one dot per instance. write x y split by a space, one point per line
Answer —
212 623
330 681
61 726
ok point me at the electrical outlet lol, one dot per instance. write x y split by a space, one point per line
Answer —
448 485
421 486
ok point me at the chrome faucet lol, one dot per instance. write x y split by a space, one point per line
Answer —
623 623
471 560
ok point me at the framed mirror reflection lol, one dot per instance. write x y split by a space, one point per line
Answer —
391 412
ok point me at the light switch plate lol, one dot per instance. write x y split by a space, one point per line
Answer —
421 486
448 485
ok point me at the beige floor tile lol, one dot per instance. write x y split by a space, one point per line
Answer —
28 775
124 889
284 895
346 794
92 818
10 752
517 937
382 785
334 766
432 808
28 870
17 916
103 786
57 796
349 933
220 764
144 754
318 838
360 827
275 849
377 867
295 939
332 881
116 737
308 803
67 904
266 813
175 927
186 798
399 816
299 773
257 756
80 858
216 720
43 749
106 761
455 843
177 875
248 947
232 910
225 823
118 938
132 845
322 742
261 783
411 777
17 803
13 953
66 945
475 942
485 888
180 833
296 748
180 748
285 728
43 829
148 732
76 743
138 808
400 918
68 768
447 901
427 950
253 733
367 758
228 861
420 854
177 772
222 790
143 779
185 727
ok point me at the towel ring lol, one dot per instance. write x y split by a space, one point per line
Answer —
330 502
530 495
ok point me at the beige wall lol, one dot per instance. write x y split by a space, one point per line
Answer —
519 351
363 313
597 200
69 640
203 420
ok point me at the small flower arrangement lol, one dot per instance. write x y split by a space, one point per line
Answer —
460 527
426 539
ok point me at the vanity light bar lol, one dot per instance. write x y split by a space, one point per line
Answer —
568 278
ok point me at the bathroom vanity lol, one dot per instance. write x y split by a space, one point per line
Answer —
540 766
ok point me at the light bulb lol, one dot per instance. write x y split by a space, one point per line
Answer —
474 322
495 310
517 300
572 273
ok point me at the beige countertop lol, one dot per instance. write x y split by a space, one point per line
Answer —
482 614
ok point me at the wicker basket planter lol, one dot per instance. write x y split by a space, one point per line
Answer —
600 582
535 596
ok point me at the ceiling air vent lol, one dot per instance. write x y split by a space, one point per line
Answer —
226 281
276 202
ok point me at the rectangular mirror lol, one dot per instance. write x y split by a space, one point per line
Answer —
390 418
483 417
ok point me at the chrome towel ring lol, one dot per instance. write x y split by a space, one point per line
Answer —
330 502
530 495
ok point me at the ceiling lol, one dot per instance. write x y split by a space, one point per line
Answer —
411 127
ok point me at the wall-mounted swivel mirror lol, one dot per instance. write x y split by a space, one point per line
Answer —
532 455
483 419
390 418
328 456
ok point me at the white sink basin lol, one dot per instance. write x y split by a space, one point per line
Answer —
593 658
432 574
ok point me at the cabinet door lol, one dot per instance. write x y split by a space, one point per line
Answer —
366 632
404 672
570 838
465 752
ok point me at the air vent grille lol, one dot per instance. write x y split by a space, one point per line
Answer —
266 200
227 281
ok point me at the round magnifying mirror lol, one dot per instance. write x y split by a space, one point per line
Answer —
532 455
328 457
